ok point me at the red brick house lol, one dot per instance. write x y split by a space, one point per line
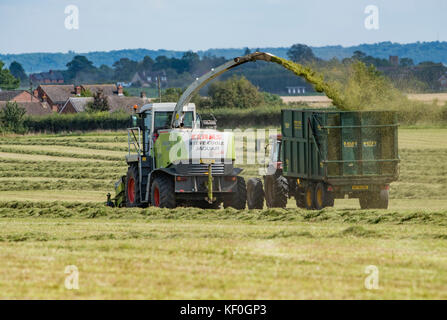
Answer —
55 95
17 96
51 77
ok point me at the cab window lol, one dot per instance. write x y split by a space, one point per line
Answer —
162 119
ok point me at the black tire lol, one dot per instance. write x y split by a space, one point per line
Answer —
162 192
309 197
132 187
238 199
299 199
364 201
276 191
255 194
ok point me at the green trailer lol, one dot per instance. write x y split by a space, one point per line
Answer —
324 155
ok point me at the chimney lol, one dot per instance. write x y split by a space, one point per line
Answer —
120 90
78 91
143 95
36 93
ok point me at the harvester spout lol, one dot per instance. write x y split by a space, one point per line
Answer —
203 80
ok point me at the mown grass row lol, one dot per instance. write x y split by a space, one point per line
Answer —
61 154
65 143
96 210
59 184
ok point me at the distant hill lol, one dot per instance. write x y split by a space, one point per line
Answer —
419 51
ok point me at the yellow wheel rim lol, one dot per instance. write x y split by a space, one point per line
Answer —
320 197
309 198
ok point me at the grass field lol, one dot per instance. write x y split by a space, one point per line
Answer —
52 189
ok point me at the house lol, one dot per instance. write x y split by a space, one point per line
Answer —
76 104
34 108
107 89
51 77
296 90
17 96
443 81
116 103
149 78
394 61
55 95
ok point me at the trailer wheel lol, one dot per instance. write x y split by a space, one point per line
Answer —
309 197
238 199
276 191
299 199
376 200
320 196
132 187
255 194
162 192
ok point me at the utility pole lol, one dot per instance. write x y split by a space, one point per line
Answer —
159 88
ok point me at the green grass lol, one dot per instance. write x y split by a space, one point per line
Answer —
52 214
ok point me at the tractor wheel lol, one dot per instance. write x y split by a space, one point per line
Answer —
132 187
276 191
255 194
309 196
162 192
238 199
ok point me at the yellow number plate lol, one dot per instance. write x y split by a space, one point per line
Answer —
359 187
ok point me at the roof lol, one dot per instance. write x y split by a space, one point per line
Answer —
107 89
166 106
78 103
32 108
58 93
9 94
51 75
125 103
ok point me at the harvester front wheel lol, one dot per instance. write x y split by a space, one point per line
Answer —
238 199
255 194
132 187
162 192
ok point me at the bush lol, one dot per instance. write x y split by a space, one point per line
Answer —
83 121
234 93
12 118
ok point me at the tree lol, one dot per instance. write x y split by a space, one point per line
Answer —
235 93
99 103
11 118
18 72
406 62
125 69
79 64
301 53
7 80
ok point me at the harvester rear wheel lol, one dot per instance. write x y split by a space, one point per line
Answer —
132 187
276 191
238 199
162 192
255 194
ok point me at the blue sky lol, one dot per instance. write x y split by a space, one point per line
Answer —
38 25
